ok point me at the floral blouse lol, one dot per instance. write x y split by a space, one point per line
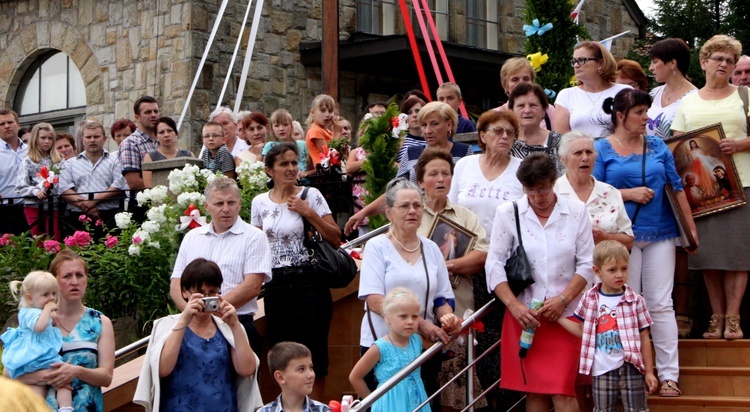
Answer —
605 206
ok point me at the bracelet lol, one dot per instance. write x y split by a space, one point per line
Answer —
564 301
176 329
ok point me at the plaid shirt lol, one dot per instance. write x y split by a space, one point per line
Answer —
133 148
310 406
632 317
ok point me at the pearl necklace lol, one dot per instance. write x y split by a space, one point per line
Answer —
404 247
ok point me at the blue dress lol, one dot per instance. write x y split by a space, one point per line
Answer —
80 348
28 351
207 362
409 393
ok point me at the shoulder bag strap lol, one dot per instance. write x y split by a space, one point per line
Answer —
547 121
427 276
643 178
308 227
743 96
548 149
518 223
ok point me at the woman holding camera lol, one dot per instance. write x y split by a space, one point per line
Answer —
206 340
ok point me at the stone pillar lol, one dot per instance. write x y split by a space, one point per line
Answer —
160 169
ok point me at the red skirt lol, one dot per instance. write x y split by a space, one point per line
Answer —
550 365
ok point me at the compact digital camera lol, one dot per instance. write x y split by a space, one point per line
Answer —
212 304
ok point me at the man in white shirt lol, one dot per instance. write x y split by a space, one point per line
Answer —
12 151
240 249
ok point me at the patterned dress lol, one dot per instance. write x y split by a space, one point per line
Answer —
80 348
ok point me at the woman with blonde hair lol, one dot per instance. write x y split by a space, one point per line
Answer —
580 107
518 70
282 130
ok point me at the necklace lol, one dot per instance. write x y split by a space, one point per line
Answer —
404 247
59 322
622 145
598 96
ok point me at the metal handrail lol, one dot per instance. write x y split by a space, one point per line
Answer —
429 353
128 349
367 236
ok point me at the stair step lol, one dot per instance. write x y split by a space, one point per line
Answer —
699 403
715 381
715 352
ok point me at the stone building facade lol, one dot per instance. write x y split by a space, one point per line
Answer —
124 49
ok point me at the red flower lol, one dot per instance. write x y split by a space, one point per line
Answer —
394 121
51 246
111 241
80 238
5 239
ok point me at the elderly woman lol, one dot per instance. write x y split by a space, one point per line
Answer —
434 174
640 167
631 73
88 349
438 122
609 220
516 71
167 136
255 128
206 340
580 107
298 308
723 258
529 103
670 61
561 270
484 181
403 258
121 129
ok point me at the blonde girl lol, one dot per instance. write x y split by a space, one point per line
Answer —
35 344
394 352
28 182
320 121
282 130
299 132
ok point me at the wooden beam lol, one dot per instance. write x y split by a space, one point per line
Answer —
330 52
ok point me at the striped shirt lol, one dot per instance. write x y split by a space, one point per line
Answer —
241 251
83 176
632 317
10 162
222 162
133 148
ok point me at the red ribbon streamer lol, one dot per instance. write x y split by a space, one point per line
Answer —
415 49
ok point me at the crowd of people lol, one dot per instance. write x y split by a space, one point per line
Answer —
580 186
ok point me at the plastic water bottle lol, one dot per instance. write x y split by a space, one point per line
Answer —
527 335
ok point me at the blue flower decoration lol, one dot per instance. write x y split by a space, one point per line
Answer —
550 93
534 28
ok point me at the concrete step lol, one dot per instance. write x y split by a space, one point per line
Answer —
691 403
715 381
715 352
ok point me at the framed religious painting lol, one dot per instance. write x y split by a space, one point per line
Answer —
454 240
709 177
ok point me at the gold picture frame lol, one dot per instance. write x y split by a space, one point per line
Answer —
709 177
454 240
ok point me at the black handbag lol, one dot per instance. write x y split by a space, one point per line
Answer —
517 266
333 267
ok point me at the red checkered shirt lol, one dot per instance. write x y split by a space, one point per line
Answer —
632 317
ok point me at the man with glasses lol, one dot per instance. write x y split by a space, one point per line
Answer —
216 157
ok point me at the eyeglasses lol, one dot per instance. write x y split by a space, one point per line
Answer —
720 59
581 60
404 208
501 131
541 191
213 136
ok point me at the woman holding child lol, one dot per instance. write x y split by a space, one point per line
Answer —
207 341
557 238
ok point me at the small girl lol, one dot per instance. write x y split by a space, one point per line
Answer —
394 352
30 184
320 121
35 344
282 130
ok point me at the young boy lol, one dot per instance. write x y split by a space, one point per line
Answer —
292 367
616 347
216 157
450 94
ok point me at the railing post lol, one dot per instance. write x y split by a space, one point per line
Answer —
470 372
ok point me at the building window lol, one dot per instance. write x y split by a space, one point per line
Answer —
379 17
52 90
481 24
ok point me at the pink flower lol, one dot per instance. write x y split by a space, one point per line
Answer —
98 222
51 246
5 239
79 238
137 240
111 241
84 218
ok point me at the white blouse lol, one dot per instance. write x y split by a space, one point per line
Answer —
557 251
605 206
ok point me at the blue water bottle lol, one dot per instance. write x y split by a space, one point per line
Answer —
527 335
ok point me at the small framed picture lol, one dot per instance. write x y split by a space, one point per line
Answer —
454 240
709 177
